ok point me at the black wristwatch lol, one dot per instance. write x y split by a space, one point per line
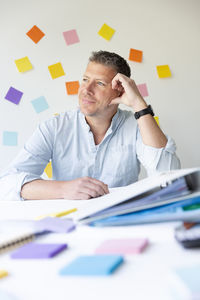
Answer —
143 112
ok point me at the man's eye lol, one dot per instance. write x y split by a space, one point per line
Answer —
100 83
84 79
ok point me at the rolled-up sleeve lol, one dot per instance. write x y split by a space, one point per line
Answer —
29 165
157 159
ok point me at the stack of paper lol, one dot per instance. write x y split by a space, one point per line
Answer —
165 197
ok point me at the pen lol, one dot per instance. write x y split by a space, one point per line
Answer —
58 214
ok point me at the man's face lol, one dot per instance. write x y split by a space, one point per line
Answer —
95 92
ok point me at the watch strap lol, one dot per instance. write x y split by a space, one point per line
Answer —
143 112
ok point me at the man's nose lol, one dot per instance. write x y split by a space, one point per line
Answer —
89 87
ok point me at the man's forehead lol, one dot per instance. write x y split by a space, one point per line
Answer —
99 71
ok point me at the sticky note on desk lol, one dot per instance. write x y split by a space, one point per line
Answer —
55 225
190 276
93 265
36 250
122 246
3 273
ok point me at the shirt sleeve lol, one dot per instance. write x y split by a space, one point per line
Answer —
157 159
30 163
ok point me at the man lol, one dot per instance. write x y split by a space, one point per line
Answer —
97 146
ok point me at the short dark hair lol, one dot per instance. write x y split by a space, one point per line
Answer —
112 60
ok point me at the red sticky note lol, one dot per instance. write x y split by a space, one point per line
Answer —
122 246
135 55
72 87
35 34
143 89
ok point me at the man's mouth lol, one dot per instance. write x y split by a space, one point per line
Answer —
87 101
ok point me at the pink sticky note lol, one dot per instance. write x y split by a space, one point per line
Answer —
143 89
71 37
122 246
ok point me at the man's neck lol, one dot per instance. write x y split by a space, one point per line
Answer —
99 126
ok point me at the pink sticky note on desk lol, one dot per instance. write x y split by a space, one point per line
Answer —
122 246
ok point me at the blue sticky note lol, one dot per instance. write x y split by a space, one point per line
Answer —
36 250
190 276
93 265
40 104
10 138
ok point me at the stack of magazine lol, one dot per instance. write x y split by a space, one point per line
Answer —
172 196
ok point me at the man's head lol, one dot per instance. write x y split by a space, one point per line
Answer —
96 92
111 59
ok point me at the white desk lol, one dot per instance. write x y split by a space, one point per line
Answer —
145 276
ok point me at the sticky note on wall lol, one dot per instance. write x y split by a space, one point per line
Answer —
40 104
72 87
157 120
71 37
14 95
23 64
106 32
135 55
143 89
10 138
56 70
163 71
35 34
48 170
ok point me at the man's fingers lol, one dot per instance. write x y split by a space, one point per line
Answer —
99 184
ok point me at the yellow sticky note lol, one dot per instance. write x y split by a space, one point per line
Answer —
157 120
56 70
106 32
23 64
163 71
48 170
3 273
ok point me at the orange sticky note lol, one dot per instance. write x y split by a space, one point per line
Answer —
163 71
56 70
23 64
157 120
48 170
106 32
135 55
35 34
72 87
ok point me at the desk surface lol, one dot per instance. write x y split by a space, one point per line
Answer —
149 275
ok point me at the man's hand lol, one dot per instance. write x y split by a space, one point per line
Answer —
83 188
128 92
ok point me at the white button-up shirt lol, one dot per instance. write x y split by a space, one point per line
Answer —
68 142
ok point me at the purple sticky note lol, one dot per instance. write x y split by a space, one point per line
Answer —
143 89
71 37
13 95
36 250
122 246
55 225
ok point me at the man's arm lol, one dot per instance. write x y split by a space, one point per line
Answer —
81 188
151 133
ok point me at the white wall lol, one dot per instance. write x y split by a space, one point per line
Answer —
166 31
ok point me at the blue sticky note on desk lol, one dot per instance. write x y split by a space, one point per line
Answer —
93 265
190 276
36 250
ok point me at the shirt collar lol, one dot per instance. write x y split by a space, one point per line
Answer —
114 123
